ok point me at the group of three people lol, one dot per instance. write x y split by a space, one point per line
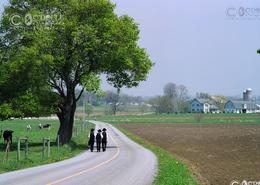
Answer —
100 138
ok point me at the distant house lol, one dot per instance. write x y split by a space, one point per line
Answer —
241 106
203 106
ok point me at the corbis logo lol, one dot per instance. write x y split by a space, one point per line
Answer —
246 13
36 21
244 182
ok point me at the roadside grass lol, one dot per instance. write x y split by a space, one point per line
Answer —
185 118
77 145
170 170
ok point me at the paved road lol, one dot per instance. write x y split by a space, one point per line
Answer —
124 163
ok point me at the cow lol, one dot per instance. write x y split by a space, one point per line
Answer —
48 126
28 128
8 135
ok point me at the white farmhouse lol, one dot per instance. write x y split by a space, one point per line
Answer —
203 106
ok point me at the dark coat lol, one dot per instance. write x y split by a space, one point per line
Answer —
104 138
91 138
98 138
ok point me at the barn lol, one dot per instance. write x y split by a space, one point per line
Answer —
236 106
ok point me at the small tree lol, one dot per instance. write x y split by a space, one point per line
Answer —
161 104
170 93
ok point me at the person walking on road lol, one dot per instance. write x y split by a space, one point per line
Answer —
104 139
91 140
98 140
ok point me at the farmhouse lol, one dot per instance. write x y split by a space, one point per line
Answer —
236 106
203 106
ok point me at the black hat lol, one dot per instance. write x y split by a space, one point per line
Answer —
92 130
99 130
104 129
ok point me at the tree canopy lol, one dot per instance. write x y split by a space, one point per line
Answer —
48 50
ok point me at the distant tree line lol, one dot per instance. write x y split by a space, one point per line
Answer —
175 99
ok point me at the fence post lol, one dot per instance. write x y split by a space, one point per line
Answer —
26 148
49 147
43 149
18 149
46 143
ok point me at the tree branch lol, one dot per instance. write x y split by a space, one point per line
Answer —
54 84
81 92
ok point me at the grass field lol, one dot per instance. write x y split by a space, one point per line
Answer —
76 146
103 110
185 118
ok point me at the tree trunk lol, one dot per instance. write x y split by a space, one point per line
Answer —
66 118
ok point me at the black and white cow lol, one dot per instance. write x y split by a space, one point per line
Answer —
48 126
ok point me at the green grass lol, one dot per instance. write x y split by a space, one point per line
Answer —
76 146
106 110
185 118
171 171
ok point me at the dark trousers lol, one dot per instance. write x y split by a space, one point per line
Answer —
98 146
91 147
104 146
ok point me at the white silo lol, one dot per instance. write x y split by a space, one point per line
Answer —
249 93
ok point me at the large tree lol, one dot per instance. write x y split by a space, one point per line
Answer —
62 46
177 95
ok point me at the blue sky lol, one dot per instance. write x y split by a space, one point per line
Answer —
205 45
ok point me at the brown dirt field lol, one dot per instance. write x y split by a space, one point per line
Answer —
217 154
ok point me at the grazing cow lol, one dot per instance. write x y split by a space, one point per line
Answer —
28 128
8 135
48 126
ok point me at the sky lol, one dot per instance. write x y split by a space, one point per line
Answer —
208 46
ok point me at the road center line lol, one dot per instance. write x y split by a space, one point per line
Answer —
89 169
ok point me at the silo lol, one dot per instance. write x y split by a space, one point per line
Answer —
245 95
249 93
